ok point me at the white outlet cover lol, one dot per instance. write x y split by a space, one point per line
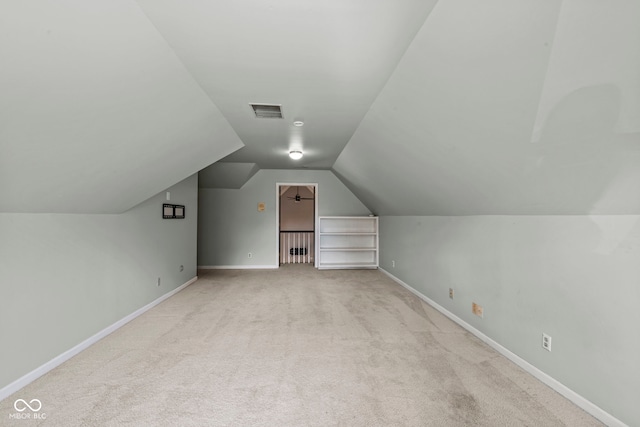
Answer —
546 342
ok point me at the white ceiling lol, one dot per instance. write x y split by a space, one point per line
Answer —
226 175
323 61
493 107
502 107
97 114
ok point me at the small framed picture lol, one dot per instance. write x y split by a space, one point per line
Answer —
173 211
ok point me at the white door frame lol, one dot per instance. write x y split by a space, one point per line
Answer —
315 213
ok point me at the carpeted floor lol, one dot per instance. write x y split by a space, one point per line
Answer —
293 347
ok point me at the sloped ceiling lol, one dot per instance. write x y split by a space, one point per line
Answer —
324 62
97 113
226 175
492 107
502 107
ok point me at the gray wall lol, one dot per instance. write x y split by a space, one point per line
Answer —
230 225
572 277
65 277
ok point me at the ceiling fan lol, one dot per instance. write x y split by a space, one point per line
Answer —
297 197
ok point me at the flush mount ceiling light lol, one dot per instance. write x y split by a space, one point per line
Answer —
295 154
298 123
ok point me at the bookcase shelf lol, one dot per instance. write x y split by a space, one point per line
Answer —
348 242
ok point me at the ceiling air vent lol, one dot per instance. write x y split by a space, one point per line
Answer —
264 111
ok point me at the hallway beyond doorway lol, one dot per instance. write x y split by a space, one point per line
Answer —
296 223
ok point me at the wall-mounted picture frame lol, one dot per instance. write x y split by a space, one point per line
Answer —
173 211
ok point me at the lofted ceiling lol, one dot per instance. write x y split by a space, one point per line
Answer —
324 62
226 175
493 107
502 107
97 113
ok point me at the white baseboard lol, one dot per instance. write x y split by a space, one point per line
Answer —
574 397
238 267
60 359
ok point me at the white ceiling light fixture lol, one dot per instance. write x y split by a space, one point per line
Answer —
295 154
298 123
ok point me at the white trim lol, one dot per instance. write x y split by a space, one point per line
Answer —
574 397
316 209
237 267
60 359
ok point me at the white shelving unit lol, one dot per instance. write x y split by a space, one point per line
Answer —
348 242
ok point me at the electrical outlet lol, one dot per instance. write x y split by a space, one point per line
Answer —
546 342
158 281
393 264
249 255
477 309
451 293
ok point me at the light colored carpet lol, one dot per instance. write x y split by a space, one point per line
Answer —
293 347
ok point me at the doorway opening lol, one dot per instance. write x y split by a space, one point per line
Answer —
297 219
